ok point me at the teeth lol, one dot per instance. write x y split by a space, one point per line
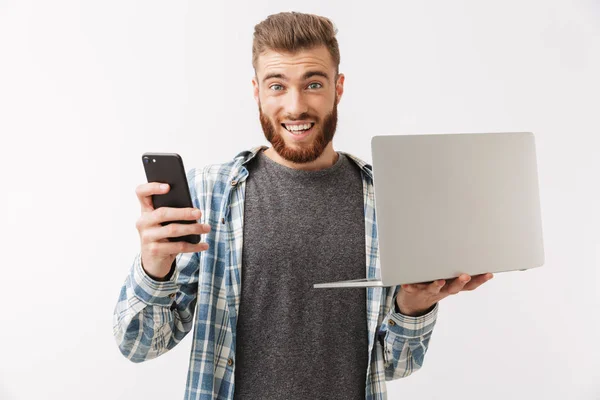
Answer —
294 128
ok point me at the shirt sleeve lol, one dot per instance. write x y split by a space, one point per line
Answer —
405 341
152 317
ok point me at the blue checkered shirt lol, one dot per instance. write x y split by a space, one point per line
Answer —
151 317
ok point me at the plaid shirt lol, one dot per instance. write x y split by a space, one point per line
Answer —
151 317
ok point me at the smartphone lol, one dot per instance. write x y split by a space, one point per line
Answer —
168 168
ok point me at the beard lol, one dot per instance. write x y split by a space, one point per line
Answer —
306 152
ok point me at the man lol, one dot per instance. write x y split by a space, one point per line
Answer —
277 220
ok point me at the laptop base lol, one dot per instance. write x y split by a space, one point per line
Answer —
359 283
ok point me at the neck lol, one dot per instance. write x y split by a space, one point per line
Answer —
325 160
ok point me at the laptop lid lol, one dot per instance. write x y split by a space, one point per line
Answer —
448 204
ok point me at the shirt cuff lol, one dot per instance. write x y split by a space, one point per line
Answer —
151 291
411 327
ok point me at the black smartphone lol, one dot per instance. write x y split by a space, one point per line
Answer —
168 168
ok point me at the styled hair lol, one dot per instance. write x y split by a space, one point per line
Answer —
293 31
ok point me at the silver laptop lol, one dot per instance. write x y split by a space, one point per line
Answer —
454 203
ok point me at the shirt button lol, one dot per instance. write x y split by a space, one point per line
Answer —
222 220
391 322
172 295
233 182
230 362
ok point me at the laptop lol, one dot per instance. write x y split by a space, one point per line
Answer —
448 204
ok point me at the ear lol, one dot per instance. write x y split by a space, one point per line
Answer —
339 87
255 86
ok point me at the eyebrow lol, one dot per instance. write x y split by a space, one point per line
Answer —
307 75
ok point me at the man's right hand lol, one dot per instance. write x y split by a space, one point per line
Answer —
157 252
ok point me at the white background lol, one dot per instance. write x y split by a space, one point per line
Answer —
87 87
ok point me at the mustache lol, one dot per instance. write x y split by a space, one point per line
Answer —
289 117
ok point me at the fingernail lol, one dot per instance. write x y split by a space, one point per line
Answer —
164 186
196 213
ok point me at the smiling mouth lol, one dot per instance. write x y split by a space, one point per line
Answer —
298 128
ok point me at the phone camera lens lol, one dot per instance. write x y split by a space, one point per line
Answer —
145 160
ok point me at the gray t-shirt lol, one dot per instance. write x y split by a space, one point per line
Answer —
301 228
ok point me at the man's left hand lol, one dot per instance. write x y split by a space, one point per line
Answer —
417 299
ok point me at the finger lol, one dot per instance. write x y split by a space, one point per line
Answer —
477 281
145 191
408 288
167 214
159 233
414 287
163 249
436 286
457 284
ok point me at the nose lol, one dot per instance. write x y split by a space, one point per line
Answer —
296 103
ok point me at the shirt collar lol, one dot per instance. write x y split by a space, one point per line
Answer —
245 156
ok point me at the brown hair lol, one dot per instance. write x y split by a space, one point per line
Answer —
294 31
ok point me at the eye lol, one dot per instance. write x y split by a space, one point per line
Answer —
276 87
315 85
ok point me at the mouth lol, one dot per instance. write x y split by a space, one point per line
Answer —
299 130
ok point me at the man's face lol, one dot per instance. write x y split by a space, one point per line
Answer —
297 96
